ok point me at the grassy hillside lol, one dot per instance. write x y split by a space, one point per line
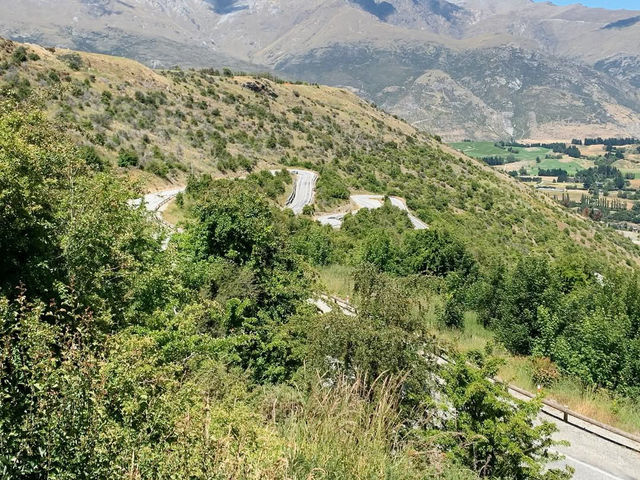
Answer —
164 125
179 122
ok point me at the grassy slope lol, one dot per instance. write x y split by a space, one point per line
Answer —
202 122
198 109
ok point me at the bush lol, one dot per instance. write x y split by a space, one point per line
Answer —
90 156
157 167
331 186
543 371
128 158
19 55
73 61
453 312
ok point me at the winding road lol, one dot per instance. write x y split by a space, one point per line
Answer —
593 452
154 202
303 191
372 202
303 194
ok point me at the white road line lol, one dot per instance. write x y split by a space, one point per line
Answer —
589 466
304 190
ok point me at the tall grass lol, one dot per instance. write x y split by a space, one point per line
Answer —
592 402
336 280
351 429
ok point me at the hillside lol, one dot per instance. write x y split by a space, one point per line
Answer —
521 69
205 121
125 357
161 126
133 349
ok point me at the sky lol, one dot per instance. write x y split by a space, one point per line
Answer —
628 4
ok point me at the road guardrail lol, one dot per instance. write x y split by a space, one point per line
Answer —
587 424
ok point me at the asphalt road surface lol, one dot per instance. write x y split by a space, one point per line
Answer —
372 202
305 188
594 457
153 201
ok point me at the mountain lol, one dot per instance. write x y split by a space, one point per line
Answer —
464 68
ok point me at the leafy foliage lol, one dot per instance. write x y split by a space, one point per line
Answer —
120 359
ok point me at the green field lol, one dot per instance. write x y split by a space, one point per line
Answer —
571 166
526 157
489 149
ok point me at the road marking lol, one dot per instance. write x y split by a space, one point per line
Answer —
588 465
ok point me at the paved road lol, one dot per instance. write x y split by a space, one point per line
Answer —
594 458
153 201
372 202
304 190
402 205
333 219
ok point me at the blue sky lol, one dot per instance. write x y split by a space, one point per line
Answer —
628 4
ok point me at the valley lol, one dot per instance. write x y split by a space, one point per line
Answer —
598 177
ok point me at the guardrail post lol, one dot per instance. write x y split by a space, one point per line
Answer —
565 416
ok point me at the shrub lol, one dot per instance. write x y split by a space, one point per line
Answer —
90 156
19 55
73 61
544 371
157 167
128 158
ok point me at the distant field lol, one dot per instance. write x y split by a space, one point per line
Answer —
568 164
489 149
526 157
631 164
479 149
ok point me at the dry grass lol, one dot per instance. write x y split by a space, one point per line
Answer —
351 429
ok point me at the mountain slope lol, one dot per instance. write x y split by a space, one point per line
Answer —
162 126
221 317
396 42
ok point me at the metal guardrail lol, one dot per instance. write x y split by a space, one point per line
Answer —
158 214
293 191
343 304
567 414
292 196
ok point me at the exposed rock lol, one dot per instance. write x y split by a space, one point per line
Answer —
260 87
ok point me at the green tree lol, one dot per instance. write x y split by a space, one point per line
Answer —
500 438
379 251
35 174
436 252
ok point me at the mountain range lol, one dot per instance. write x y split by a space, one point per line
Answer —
489 69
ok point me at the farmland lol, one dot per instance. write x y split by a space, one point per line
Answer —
599 178
531 159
